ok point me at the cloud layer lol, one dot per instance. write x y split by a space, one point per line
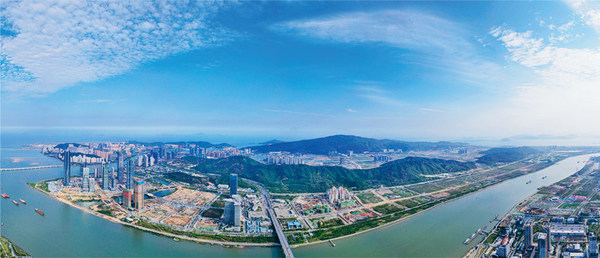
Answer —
49 45
404 29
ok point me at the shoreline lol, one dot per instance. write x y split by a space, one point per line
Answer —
268 244
180 237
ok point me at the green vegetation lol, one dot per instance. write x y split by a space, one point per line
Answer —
108 212
329 223
240 239
495 155
386 208
213 213
178 176
218 203
569 206
368 197
346 143
304 178
5 250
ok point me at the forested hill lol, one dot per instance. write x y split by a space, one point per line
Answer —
345 143
304 178
496 155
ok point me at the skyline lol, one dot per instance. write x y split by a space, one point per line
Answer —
402 70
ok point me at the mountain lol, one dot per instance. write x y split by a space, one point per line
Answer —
510 154
304 178
345 143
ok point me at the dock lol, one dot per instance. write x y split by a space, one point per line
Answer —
474 235
332 243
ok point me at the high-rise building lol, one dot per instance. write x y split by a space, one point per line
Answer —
528 234
130 173
139 194
120 168
105 177
91 185
67 168
542 245
127 199
113 179
85 174
593 245
233 211
233 184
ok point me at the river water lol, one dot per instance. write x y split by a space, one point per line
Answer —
66 231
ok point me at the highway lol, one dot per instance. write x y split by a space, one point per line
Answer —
30 168
287 250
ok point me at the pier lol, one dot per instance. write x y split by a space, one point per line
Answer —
475 235
30 168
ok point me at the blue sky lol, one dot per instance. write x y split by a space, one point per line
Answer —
404 70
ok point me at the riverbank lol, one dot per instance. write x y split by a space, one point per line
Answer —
346 231
175 236
9 249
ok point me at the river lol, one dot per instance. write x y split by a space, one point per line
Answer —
66 231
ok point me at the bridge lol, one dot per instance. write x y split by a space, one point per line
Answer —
287 250
30 168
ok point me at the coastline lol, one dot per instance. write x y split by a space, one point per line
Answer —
269 244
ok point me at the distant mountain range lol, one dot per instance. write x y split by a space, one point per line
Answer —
346 143
304 178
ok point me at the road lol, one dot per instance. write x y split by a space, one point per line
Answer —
287 250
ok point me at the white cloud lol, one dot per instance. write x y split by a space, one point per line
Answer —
588 10
351 110
404 29
56 44
436 43
563 98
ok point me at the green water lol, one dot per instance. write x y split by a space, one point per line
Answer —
66 231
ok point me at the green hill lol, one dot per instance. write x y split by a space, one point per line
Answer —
496 155
304 178
345 143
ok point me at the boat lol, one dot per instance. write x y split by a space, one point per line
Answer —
15 202
544 177
528 182
4 195
39 212
22 201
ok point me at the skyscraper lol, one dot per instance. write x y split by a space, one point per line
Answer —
85 174
233 211
127 199
233 184
130 173
120 168
105 177
593 246
542 245
67 168
528 234
91 185
139 194
113 179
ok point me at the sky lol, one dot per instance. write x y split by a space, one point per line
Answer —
294 69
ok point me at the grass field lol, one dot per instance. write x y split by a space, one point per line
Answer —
386 208
368 197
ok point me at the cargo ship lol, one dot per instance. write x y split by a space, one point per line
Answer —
15 202
4 195
22 201
39 212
